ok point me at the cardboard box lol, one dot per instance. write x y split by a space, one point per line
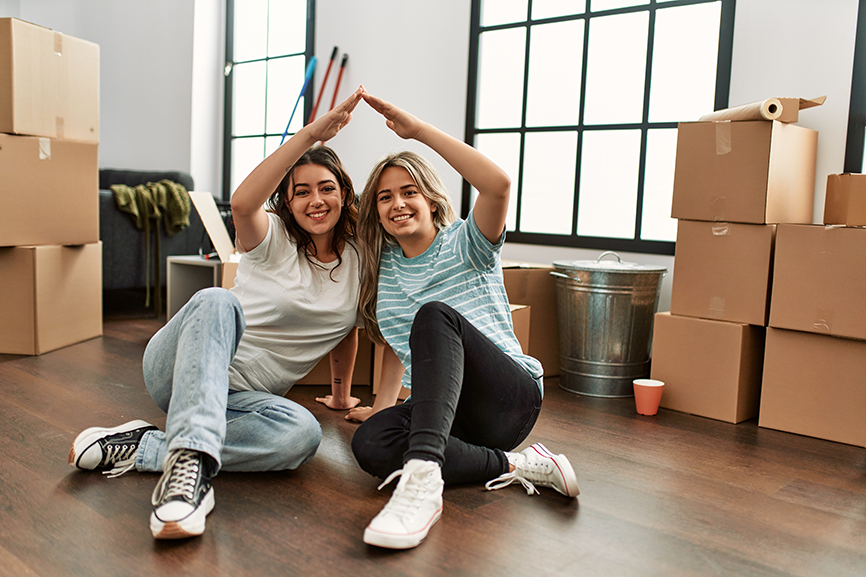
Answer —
50 297
791 107
531 284
49 83
50 191
845 202
521 318
813 385
819 280
216 229
710 368
759 172
723 271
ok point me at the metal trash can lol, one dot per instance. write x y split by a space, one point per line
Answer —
605 310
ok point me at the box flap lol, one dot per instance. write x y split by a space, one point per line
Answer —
214 225
791 107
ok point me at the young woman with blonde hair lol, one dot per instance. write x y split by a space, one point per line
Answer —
433 295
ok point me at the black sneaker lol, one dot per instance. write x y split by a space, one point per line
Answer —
184 495
109 450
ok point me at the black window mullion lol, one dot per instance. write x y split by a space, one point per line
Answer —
644 132
580 126
227 102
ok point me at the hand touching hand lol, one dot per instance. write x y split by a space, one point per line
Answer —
360 414
328 125
401 122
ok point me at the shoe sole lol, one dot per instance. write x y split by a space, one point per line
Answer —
88 437
392 541
192 525
564 467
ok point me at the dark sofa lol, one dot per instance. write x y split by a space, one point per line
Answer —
123 245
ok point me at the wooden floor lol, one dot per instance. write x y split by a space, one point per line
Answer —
667 495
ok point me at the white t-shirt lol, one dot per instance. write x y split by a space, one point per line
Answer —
295 314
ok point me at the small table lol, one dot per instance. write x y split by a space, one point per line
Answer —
186 275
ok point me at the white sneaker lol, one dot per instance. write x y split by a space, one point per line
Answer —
415 506
536 465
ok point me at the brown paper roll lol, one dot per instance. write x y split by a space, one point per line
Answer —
769 109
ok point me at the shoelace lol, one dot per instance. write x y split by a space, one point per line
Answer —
507 478
525 473
122 457
184 466
407 495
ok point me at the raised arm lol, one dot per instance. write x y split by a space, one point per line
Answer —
492 183
250 219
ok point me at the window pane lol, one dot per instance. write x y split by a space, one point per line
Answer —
287 27
554 8
608 183
555 59
285 80
495 12
504 150
250 30
616 69
547 202
248 98
500 78
272 143
599 5
661 152
686 45
247 153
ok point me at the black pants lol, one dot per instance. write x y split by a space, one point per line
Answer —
470 402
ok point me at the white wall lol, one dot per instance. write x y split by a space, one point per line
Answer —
413 54
146 67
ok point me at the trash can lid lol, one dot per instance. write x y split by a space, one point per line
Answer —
617 265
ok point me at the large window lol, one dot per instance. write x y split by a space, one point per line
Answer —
268 46
579 100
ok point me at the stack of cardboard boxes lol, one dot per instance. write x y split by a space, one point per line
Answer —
734 184
815 363
50 255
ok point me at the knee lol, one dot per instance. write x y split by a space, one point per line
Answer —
433 310
301 436
215 299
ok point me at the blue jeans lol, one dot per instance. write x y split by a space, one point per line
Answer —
470 403
186 373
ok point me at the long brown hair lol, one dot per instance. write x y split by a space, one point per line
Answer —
278 203
373 237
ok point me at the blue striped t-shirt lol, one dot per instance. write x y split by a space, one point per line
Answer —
461 269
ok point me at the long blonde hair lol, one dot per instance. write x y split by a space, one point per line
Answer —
372 237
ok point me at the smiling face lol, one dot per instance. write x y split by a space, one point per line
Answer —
404 212
315 200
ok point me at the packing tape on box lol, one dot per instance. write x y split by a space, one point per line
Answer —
723 138
58 43
721 229
717 208
717 307
769 109
44 149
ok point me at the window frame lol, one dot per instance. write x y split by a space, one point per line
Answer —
854 145
637 245
309 51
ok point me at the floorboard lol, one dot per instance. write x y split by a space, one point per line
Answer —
672 494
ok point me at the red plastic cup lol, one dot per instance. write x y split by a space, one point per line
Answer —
647 395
